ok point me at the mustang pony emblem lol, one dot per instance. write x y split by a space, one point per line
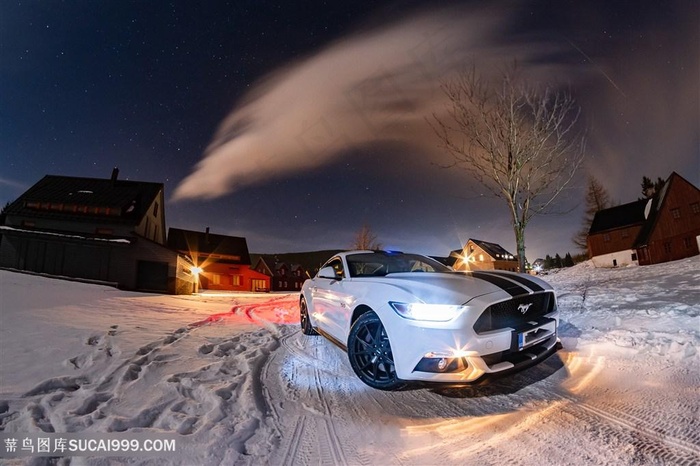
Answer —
524 307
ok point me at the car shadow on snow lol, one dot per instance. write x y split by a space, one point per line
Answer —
506 384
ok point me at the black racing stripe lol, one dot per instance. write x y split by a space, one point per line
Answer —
506 285
521 279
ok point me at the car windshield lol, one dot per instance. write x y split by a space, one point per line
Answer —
379 264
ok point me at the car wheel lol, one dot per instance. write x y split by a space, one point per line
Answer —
370 353
306 327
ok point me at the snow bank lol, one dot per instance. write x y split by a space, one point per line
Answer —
233 378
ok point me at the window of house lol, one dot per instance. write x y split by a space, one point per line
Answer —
695 207
236 280
104 231
676 213
625 234
634 256
667 247
688 243
606 237
216 279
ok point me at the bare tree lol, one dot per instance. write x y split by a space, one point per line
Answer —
597 198
520 142
365 239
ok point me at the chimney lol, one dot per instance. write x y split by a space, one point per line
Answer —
115 174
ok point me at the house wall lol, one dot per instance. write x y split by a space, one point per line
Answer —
478 259
114 262
611 241
73 225
233 277
152 225
677 226
616 259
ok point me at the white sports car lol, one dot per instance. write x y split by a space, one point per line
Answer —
407 318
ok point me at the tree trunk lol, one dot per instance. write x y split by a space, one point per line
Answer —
520 244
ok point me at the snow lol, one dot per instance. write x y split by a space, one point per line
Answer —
233 378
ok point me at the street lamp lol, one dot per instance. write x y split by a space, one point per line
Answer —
196 271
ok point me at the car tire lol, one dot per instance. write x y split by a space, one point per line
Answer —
370 353
306 327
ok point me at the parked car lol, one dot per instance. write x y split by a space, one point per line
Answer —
405 318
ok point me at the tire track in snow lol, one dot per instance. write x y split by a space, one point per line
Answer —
314 435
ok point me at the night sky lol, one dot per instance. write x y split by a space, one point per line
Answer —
295 123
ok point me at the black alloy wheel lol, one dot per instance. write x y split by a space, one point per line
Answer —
306 327
370 353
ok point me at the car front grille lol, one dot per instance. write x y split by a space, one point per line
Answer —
515 312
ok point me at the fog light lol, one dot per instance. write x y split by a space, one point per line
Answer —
441 365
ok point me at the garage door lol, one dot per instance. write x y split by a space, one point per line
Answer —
152 276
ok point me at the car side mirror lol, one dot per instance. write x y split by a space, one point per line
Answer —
328 272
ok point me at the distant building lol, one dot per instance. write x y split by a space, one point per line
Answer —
648 231
224 260
109 230
482 255
283 276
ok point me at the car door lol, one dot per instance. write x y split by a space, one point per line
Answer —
331 300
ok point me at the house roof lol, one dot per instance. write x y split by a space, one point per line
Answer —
620 216
309 261
130 199
657 204
230 248
492 249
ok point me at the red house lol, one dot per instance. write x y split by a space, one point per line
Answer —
649 231
283 276
224 260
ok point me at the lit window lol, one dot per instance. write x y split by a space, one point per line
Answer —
236 279
216 279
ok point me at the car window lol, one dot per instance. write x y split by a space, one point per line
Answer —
380 264
337 265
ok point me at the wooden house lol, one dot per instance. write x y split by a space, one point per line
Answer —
108 230
283 276
648 231
224 260
482 255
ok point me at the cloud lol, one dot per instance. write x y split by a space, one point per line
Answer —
372 87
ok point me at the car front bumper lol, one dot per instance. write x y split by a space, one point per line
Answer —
460 355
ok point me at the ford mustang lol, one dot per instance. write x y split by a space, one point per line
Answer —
405 318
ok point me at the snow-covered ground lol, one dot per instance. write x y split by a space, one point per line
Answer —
235 380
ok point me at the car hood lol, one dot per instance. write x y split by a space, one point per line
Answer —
444 288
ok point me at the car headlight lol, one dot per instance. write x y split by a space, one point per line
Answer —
429 312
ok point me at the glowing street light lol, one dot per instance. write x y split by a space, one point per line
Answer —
196 271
